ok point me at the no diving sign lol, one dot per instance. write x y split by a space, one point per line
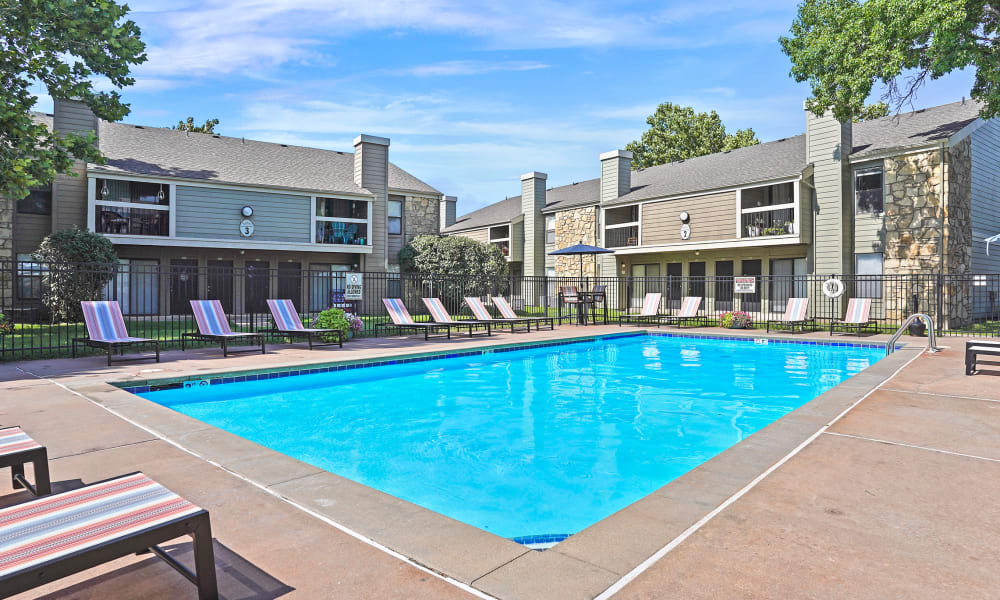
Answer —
352 287
745 285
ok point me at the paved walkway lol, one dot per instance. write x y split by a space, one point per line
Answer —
897 499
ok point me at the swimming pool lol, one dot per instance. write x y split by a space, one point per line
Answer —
532 444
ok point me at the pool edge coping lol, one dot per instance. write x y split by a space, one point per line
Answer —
593 559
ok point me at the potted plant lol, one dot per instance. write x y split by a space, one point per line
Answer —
335 318
735 320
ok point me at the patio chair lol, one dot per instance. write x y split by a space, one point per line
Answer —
18 449
599 295
649 312
482 313
795 316
401 319
570 296
53 537
106 330
287 323
858 317
213 326
507 312
688 314
440 315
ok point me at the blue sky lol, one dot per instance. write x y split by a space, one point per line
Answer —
471 94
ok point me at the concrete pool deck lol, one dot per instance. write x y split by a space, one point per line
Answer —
845 516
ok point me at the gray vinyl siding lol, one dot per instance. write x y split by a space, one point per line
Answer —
29 231
517 242
480 235
214 213
985 196
827 142
371 169
69 194
713 217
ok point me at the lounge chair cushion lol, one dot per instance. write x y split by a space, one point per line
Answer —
14 440
46 529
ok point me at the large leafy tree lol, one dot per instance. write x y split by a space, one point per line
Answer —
453 256
62 45
188 125
678 132
843 48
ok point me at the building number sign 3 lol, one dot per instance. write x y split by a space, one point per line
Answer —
685 231
246 228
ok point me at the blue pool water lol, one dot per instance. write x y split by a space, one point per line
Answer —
531 442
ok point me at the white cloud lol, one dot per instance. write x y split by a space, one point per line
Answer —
469 67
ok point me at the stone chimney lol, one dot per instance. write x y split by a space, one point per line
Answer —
828 146
69 193
532 203
371 171
616 174
447 211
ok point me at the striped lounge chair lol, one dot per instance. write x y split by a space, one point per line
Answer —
648 313
688 314
213 326
106 330
18 449
482 313
507 312
795 316
55 536
401 319
440 315
857 318
288 323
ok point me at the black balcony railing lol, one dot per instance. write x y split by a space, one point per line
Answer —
504 247
766 223
132 221
621 237
337 232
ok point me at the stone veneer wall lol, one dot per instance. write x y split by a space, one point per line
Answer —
6 249
421 217
912 216
572 226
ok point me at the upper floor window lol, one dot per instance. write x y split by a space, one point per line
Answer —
395 212
37 202
132 207
868 195
550 229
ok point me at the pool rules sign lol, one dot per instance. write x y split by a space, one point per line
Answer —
352 287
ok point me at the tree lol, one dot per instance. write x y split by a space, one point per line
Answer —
844 47
678 132
78 263
63 45
208 127
453 256
872 111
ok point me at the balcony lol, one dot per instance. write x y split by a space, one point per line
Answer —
343 233
768 221
504 246
621 236
124 220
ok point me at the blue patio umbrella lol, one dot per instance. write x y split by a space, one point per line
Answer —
581 249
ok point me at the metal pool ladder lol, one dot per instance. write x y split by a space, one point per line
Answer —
932 346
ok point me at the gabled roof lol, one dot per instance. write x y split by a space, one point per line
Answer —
162 152
581 193
916 128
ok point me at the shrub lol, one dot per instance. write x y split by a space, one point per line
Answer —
454 256
735 320
80 264
335 318
6 325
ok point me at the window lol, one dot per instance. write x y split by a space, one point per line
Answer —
343 222
395 215
868 268
136 286
788 280
132 207
868 190
550 229
37 202
29 277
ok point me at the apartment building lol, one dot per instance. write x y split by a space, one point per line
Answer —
189 202
913 193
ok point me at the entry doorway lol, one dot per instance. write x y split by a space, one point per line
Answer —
256 288
219 283
644 280
183 285
751 302
724 285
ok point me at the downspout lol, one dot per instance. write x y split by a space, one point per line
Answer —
941 255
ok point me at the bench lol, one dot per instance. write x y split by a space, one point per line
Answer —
975 348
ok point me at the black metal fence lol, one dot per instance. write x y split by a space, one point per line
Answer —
155 298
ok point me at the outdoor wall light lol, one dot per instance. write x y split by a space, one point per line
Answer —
105 191
160 195
247 211
685 216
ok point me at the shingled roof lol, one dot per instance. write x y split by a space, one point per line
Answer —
162 152
916 128
564 197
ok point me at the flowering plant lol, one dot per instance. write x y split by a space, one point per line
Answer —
735 319
6 326
354 322
335 318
